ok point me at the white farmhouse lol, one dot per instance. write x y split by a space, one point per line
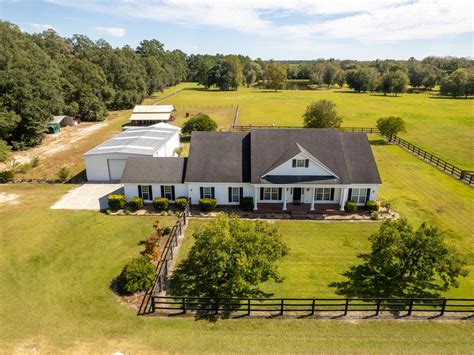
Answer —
107 161
281 169
146 115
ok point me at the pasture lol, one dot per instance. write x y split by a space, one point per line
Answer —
441 125
56 268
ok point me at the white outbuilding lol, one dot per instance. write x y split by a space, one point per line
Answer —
107 161
146 115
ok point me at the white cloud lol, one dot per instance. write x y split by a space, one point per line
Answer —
366 21
41 26
111 31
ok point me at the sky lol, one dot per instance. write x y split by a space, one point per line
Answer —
267 29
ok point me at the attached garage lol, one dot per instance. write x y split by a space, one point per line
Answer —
106 162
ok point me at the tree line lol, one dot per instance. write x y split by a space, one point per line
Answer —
44 74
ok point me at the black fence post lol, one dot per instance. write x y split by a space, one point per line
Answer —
184 305
377 312
410 307
248 307
153 304
313 304
282 306
346 307
443 307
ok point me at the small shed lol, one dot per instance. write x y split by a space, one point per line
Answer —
53 127
147 115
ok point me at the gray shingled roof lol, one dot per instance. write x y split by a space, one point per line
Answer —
348 155
154 170
219 157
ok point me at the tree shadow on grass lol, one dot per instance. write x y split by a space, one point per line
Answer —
451 98
378 142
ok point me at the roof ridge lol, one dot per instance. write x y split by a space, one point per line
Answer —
344 155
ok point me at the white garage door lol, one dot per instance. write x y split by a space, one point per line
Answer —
116 167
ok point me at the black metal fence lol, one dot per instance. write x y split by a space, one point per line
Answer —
166 305
344 129
164 264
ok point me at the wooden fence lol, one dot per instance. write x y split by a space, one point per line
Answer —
203 106
344 129
464 175
166 305
164 264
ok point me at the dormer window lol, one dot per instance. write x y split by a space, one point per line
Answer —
300 163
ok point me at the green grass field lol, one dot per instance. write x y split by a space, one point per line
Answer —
441 125
56 268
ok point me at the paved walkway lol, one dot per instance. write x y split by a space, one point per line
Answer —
88 197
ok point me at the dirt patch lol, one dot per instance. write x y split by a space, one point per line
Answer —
8 198
54 143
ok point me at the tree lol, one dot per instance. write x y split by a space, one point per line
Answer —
230 258
404 262
393 82
227 73
391 126
330 70
362 79
321 114
200 122
456 84
340 78
275 76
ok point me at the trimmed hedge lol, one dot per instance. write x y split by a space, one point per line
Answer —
374 216
350 206
135 203
207 204
137 275
117 202
181 203
161 204
372 206
246 203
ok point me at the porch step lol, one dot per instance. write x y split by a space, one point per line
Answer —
299 214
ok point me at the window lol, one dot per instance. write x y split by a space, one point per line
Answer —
271 193
323 194
359 195
206 192
235 196
146 192
168 192
300 163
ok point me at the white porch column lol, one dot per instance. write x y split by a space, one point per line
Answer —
342 200
255 199
312 198
284 199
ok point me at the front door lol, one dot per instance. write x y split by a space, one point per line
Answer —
297 195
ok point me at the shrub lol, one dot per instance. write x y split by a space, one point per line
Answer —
181 203
386 205
246 203
35 162
372 206
23 168
350 206
137 275
166 231
4 151
207 204
63 174
374 215
201 122
6 176
161 204
117 202
135 203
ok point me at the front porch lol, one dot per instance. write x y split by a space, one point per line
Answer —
299 209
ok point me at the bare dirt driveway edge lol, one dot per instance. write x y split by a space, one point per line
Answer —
88 196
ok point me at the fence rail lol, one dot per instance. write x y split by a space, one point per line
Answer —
202 106
464 175
164 264
461 174
310 306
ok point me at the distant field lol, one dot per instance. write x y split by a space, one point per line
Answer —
441 125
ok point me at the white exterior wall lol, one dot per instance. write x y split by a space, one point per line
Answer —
131 190
221 191
287 168
167 150
97 168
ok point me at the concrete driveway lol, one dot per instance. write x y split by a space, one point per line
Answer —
88 197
